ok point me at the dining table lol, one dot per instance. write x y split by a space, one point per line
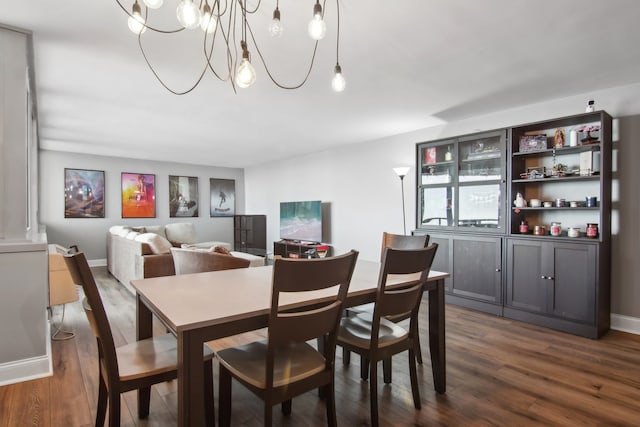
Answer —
201 307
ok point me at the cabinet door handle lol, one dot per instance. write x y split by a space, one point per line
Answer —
543 277
498 270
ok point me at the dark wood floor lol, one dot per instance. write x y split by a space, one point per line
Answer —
499 372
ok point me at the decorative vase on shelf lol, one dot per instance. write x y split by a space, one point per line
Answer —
520 202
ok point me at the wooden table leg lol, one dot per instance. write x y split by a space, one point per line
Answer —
190 379
144 330
436 336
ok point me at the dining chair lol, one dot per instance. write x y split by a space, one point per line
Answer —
395 241
188 261
375 338
286 365
134 366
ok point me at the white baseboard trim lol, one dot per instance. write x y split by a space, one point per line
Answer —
28 369
97 262
623 323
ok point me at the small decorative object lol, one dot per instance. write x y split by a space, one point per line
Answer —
535 203
533 143
430 155
535 172
524 227
556 229
83 193
559 169
591 202
223 197
547 204
590 106
573 232
573 138
561 203
559 138
588 138
538 230
592 231
448 156
520 202
138 195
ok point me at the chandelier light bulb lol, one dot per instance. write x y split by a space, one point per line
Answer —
208 22
275 28
136 21
188 14
153 4
317 27
338 83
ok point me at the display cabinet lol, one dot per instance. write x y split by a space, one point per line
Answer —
461 183
558 249
250 234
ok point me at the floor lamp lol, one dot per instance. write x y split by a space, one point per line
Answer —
402 172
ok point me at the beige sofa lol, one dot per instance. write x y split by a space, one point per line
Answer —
142 252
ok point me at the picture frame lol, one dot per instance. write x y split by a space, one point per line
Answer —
83 193
138 195
223 197
183 196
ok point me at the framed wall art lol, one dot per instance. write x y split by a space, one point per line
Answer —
223 197
83 193
138 195
183 196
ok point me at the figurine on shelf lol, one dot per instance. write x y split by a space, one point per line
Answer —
520 202
588 138
559 169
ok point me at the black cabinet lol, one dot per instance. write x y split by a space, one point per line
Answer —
555 284
475 267
250 234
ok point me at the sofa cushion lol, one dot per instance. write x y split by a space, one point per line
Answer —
157 243
123 231
156 229
180 232
132 235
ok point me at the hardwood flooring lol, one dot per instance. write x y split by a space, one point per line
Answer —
499 373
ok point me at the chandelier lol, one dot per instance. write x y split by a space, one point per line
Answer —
225 27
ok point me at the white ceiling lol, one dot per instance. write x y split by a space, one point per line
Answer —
409 64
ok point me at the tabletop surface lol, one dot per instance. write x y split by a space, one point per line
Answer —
203 299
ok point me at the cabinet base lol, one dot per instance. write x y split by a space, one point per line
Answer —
589 331
482 306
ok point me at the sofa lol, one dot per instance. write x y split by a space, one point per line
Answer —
145 251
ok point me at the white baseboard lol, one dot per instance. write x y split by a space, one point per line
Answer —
623 323
97 262
28 369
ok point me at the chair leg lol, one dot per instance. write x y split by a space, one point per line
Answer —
101 412
386 370
413 374
224 398
373 393
364 367
418 349
268 414
209 407
144 398
332 420
114 408
346 357
286 407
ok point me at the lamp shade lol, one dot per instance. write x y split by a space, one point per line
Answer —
401 171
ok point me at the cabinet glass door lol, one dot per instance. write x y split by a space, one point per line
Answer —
481 159
437 206
480 206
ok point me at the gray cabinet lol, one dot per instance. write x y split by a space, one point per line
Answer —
555 284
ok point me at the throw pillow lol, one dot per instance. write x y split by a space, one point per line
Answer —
156 229
221 250
132 235
157 243
180 232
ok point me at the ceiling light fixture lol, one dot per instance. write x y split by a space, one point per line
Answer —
224 23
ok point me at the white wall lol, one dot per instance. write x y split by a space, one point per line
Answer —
90 233
364 192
